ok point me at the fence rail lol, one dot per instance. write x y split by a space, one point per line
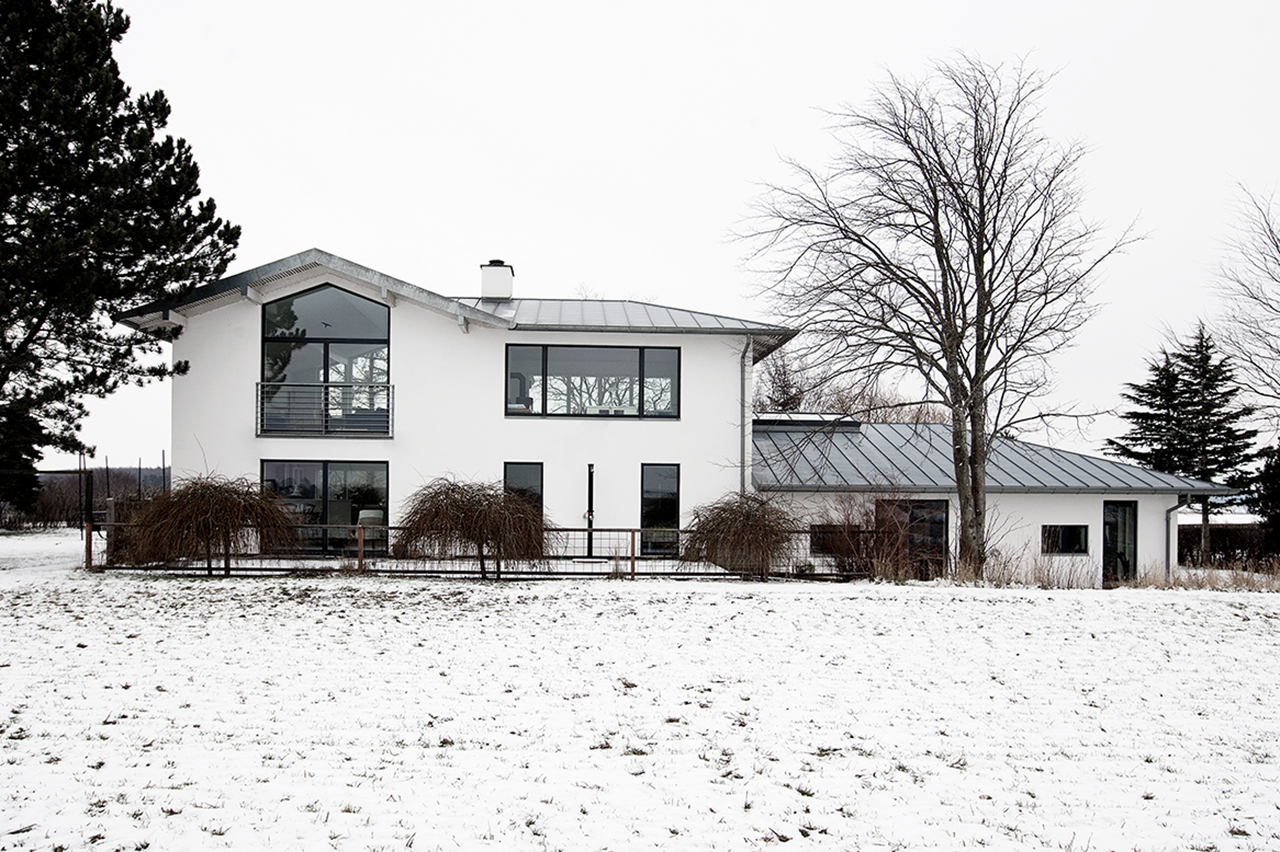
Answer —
577 552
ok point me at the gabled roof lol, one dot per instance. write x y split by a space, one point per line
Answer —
310 262
622 315
525 314
817 453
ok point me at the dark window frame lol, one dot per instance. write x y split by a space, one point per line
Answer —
1064 539
541 403
324 540
539 495
666 542
319 397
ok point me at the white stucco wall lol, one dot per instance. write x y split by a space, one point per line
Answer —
450 416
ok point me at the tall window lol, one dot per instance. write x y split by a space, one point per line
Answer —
600 381
326 364
1119 540
337 493
660 509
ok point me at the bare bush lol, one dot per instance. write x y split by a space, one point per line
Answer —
447 515
743 533
205 517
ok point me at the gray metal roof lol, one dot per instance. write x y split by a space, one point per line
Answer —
233 287
816 453
614 315
526 314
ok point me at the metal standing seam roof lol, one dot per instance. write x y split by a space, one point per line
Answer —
826 455
614 315
529 314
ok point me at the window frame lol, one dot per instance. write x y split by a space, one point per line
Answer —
539 408
326 539
1050 533
328 393
664 543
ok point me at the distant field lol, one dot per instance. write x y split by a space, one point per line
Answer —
379 713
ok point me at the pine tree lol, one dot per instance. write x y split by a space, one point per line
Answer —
1186 419
99 213
1264 499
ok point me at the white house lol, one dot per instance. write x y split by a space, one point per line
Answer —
344 390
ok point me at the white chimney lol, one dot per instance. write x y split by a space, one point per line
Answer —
496 281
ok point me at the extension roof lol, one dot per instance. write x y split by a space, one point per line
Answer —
825 453
574 315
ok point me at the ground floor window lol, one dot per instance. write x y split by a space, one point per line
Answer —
332 497
1064 539
918 528
525 479
660 509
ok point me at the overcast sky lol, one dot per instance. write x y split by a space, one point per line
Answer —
613 148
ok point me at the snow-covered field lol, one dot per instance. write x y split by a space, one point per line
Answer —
359 713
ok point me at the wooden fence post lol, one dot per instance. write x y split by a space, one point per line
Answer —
633 554
88 545
360 548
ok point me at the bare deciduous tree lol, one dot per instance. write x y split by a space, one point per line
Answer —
1251 284
945 247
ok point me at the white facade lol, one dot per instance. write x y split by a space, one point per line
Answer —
449 412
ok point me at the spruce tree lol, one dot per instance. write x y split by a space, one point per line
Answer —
99 213
1186 419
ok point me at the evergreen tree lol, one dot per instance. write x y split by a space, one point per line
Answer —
99 213
1186 419
1264 499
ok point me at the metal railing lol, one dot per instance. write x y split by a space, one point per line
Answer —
324 408
600 552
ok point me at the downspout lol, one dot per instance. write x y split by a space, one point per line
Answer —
744 435
1183 502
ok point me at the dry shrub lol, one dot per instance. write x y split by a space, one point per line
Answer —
208 516
447 515
743 533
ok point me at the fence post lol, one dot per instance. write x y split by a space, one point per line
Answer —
360 548
88 545
633 554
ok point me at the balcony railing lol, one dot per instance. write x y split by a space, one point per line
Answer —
331 408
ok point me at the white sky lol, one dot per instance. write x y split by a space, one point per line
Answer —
615 148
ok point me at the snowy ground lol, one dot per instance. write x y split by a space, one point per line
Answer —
392 713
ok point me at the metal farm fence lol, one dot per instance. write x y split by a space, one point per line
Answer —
576 552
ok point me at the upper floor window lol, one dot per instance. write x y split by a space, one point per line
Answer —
609 381
326 363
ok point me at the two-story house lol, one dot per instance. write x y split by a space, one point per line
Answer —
345 390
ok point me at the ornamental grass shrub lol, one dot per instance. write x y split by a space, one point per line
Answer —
742 533
208 516
448 515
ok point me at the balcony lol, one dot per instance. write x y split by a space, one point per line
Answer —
331 408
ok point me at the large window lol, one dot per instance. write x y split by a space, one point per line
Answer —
1119 540
599 381
660 509
919 527
332 496
326 365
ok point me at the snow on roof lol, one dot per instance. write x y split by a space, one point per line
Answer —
818 453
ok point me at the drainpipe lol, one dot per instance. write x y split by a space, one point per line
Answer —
1169 540
744 435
